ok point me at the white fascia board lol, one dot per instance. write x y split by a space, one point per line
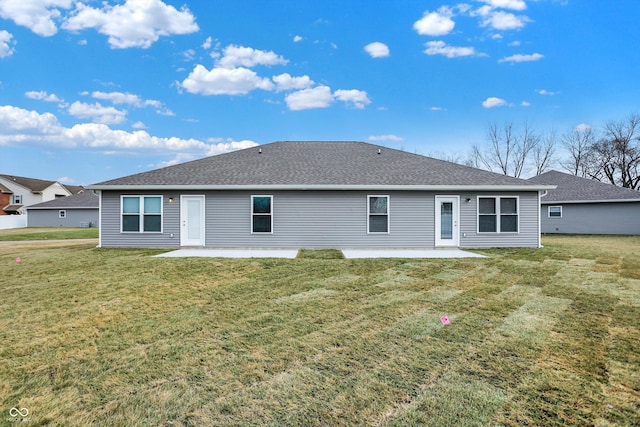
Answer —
573 202
325 187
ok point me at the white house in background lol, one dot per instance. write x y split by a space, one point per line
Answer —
584 206
16 192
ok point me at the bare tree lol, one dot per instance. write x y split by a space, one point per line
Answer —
579 143
507 152
617 153
544 151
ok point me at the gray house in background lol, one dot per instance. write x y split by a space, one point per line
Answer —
78 210
584 206
319 195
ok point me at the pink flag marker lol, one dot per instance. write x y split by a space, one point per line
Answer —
444 319
18 260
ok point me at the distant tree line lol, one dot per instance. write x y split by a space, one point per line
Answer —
610 154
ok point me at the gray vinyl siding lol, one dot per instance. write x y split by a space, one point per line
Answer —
319 219
50 217
110 235
528 234
593 218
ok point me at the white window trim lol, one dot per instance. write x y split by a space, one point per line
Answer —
141 213
270 196
388 214
62 214
498 214
549 212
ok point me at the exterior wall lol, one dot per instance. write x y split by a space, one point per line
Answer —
5 200
319 219
53 191
593 218
528 234
74 217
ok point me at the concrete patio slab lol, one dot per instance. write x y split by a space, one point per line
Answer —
231 253
408 253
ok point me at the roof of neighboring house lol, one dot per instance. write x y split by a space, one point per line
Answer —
74 189
574 189
84 200
5 190
35 185
12 208
316 165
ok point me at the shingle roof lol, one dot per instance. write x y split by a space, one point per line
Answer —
571 188
83 200
35 185
317 164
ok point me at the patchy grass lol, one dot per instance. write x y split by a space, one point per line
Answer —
48 233
115 337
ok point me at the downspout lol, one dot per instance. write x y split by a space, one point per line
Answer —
541 194
99 194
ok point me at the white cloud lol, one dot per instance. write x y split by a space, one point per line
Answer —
358 98
286 82
234 56
66 180
525 104
206 45
437 109
120 98
503 21
493 102
317 97
19 126
297 39
139 125
547 92
97 112
437 23
388 137
441 48
377 50
43 96
224 81
507 4
515 43
37 15
582 127
6 48
136 23
522 58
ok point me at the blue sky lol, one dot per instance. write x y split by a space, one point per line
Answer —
93 90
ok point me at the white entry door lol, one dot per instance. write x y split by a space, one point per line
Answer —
191 220
447 219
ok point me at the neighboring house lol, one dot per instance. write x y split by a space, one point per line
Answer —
78 210
319 195
584 206
18 192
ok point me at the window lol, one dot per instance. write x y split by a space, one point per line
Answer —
378 213
17 199
555 211
261 214
62 214
497 214
141 214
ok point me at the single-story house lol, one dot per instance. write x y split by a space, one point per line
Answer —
78 210
319 195
585 206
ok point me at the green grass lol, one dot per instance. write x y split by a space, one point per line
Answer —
544 337
47 233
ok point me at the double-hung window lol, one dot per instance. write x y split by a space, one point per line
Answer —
498 214
378 214
555 211
141 214
261 214
62 214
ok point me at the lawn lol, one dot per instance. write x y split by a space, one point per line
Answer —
47 233
115 337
